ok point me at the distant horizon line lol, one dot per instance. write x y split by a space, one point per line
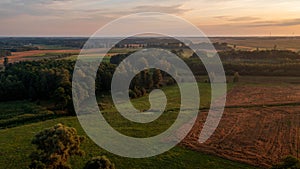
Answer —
212 36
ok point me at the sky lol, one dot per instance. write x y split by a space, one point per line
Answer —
213 17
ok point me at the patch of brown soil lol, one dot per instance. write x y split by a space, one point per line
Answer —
259 136
19 56
263 95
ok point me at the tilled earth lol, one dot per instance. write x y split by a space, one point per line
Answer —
260 126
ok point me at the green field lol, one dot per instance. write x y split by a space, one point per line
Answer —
16 142
22 112
105 59
16 147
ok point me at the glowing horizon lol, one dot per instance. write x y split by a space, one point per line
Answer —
79 18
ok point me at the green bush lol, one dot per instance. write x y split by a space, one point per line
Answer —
100 162
288 162
54 147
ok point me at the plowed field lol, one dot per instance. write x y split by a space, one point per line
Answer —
260 126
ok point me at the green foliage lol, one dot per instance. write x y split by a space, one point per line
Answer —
253 63
15 142
178 52
100 162
55 146
16 147
5 61
132 94
288 162
201 54
17 44
22 112
48 80
4 53
62 98
157 78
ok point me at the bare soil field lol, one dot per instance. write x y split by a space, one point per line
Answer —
257 135
21 56
263 95
38 54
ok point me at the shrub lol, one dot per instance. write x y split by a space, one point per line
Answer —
100 162
54 147
236 77
288 162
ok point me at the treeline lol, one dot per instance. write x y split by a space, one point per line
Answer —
15 44
214 46
52 80
8 45
251 69
252 63
258 54
4 53
45 80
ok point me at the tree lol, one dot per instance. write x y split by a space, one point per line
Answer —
5 62
55 145
157 78
236 77
178 52
132 94
61 98
146 80
199 53
149 81
288 162
100 162
138 92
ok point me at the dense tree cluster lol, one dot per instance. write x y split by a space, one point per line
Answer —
35 80
46 80
254 63
146 80
52 80
258 54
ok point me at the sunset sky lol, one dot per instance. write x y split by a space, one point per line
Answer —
213 17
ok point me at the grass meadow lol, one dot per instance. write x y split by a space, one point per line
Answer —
15 145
